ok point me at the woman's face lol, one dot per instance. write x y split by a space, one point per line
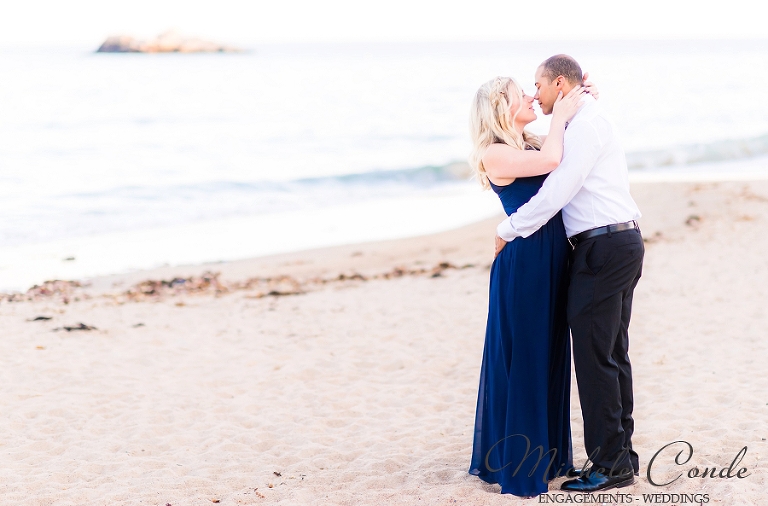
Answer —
526 113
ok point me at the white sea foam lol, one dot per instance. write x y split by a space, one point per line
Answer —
244 237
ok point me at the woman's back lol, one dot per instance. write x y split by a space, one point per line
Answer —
518 192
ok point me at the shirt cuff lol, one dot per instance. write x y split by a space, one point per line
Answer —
505 230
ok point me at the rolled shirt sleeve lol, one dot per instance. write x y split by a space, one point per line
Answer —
582 148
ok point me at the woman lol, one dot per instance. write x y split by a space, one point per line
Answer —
523 399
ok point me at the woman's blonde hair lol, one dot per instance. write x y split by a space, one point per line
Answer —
491 121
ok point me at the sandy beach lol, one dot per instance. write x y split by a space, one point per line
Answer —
348 375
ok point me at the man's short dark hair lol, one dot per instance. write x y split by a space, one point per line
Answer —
562 65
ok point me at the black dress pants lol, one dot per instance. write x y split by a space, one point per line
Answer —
604 272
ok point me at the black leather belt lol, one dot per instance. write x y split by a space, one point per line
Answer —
608 229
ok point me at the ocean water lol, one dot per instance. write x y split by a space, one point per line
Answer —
116 162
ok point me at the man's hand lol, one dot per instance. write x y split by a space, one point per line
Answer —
500 243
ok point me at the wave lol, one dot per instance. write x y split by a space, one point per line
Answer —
686 154
430 174
690 154
135 207
387 182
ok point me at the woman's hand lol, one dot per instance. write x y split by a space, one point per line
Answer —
500 243
590 86
566 106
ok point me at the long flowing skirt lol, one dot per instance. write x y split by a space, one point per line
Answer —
522 434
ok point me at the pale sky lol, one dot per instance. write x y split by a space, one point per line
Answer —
46 22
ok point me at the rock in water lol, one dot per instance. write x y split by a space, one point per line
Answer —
120 44
168 42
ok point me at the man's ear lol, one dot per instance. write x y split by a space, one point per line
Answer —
559 82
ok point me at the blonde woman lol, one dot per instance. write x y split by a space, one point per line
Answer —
522 433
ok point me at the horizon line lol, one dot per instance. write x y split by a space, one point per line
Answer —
332 42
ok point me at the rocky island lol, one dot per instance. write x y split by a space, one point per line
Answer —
168 42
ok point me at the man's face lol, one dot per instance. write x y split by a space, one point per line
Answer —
546 91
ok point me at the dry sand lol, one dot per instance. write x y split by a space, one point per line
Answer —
362 391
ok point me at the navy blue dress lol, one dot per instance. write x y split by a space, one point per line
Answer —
525 379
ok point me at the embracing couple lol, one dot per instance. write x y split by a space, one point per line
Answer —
568 257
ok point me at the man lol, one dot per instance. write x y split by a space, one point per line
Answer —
591 187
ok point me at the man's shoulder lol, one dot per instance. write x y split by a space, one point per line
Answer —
588 111
581 125
592 118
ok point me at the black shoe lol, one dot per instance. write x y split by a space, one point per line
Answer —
593 482
575 473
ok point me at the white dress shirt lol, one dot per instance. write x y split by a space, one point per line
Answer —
591 184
